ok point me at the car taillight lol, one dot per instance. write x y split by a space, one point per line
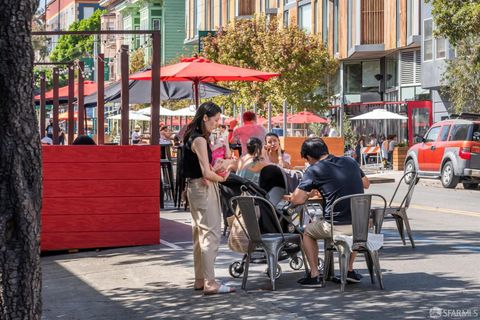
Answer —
465 154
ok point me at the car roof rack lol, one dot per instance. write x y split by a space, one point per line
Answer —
466 116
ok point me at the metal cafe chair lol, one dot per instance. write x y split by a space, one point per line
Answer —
360 205
399 212
271 243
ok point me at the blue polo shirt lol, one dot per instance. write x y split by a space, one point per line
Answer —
334 177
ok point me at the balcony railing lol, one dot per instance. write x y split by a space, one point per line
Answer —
372 19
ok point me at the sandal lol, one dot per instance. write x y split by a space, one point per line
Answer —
221 290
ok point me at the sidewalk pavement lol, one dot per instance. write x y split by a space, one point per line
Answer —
155 282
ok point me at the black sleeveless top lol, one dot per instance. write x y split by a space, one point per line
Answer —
191 165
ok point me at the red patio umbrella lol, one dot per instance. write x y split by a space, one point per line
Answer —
201 69
89 87
305 117
279 118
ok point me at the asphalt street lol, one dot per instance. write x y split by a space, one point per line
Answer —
437 279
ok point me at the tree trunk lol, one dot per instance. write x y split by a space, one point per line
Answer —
20 167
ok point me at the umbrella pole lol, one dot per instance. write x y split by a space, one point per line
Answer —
196 95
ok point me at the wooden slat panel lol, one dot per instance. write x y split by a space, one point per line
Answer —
101 171
108 154
246 7
101 223
99 206
65 240
372 23
92 188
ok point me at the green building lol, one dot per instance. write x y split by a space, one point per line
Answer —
165 15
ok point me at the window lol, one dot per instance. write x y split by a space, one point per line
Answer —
228 11
156 24
427 40
305 18
460 132
196 17
220 12
325 21
335 26
369 70
432 134
286 18
444 133
353 75
476 132
88 12
212 14
440 48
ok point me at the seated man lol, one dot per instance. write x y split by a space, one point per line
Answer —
333 177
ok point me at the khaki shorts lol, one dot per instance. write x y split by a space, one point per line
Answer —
322 230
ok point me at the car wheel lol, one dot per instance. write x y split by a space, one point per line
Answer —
449 179
409 167
470 185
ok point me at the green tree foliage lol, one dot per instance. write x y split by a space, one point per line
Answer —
459 22
462 76
456 19
72 47
301 58
62 77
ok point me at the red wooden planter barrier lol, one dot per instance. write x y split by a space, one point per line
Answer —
100 196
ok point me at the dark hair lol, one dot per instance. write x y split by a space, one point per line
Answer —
209 109
249 116
223 126
83 140
163 128
314 147
271 134
254 148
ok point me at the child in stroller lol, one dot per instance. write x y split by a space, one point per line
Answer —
274 190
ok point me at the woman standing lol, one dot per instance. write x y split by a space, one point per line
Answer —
203 196
273 153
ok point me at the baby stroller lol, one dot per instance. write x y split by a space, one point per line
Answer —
235 186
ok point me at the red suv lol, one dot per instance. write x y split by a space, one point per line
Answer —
450 150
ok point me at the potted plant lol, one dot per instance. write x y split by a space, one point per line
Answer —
399 155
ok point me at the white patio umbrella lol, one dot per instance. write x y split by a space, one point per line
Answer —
380 114
133 116
185 112
163 111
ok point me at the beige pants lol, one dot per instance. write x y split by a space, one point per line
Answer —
206 212
321 229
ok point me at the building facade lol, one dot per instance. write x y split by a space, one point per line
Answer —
378 42
60 14
435 53
165 15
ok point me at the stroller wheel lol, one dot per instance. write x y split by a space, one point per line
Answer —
278 272
236 269
296 263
